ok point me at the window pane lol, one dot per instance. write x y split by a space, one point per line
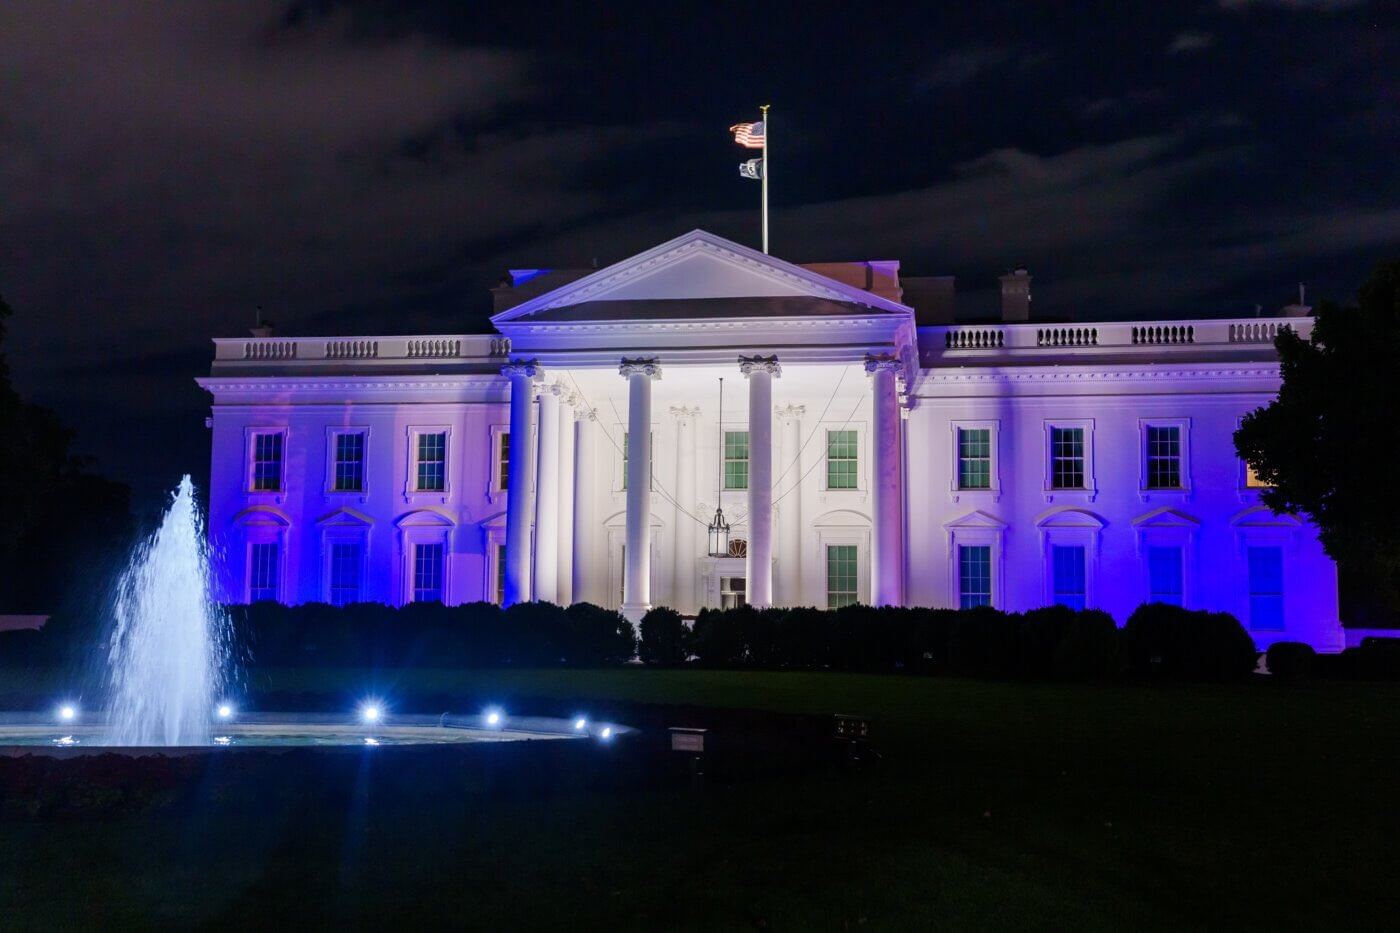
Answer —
503 462
1067 458
841 459
349 462
262 571
974 458
500 573
1163 457
432 462
1067 566
267 462
974 575
841 586
347 561
736 459
1266 588
427 573
1164 575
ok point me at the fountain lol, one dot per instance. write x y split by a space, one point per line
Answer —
170 663
169 656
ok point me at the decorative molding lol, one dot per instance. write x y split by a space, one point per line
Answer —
789 412
684 412
883 363
530 369
748 365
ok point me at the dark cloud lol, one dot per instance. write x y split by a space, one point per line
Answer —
165 169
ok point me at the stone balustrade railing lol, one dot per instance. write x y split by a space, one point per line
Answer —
463 348
1147 337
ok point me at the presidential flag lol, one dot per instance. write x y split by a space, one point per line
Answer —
753 168
748 135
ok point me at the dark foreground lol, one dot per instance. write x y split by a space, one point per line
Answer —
996 805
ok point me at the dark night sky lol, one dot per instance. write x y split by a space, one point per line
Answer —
353 168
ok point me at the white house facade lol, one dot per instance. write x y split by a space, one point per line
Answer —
861 454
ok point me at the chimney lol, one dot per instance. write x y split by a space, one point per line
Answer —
1302 308
1016 297
263 328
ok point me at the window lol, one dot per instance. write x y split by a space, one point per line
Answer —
651 458
841 459
1067 575
347 565
267 462
841 588
1067 458
1265 588
1163 457
432 462
974 575
1252 480
974 458
262 568
1164 575
427 573
733 592
500 574
349 463
736 459
503 461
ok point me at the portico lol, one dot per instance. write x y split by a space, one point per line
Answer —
654 336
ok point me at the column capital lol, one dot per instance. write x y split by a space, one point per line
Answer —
883 363
789 412
553 388
683 412
642 366
767 364
585 414
531 369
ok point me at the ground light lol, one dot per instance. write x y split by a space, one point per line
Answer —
67 712
225 711
606 734
493 717
370 713
580 723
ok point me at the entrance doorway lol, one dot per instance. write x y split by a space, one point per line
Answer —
733 592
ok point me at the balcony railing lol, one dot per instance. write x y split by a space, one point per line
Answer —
996 340
464 348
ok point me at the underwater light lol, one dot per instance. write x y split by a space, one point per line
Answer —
606 734
225 711
580 724
370 712
494 717
67 712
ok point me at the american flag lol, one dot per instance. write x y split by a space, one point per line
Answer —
748 135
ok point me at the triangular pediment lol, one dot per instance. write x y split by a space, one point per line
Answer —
1165 518
976 519
345 518
706 273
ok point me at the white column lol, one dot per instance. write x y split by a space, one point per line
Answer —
758 567
547 498
565 574
519 507
686 531
636 579
586 562
789 581
886 564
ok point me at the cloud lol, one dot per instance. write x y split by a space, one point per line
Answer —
1190 42
960 67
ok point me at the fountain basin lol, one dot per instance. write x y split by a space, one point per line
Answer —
38 733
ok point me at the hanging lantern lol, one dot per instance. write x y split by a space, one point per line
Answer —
719 535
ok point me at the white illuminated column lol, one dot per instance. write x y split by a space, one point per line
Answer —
636 579
789 506
886 583
758 567
519 508
585 491
565 573
547 499
683 589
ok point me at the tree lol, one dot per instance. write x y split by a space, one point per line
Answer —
1328 447
60 521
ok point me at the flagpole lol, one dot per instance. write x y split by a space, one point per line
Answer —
764 110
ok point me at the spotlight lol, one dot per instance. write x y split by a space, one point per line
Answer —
225 711
494 717
67 712
606 733
370 713
580 724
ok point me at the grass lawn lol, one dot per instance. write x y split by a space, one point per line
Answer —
997 805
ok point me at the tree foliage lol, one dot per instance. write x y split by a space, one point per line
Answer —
1328 445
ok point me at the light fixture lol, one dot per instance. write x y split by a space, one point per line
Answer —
225 711
719 528
370 713
493 717
606 733
580 724
67 712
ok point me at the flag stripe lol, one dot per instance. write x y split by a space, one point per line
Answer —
748 135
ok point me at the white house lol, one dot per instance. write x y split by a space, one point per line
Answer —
864 455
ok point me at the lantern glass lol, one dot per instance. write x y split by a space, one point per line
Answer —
719 535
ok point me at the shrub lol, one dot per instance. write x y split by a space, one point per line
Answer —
595 636
665 640
1290 660
1169 641
927 639
984 641
1088 648
803 639
534 634
718 637
1376 659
